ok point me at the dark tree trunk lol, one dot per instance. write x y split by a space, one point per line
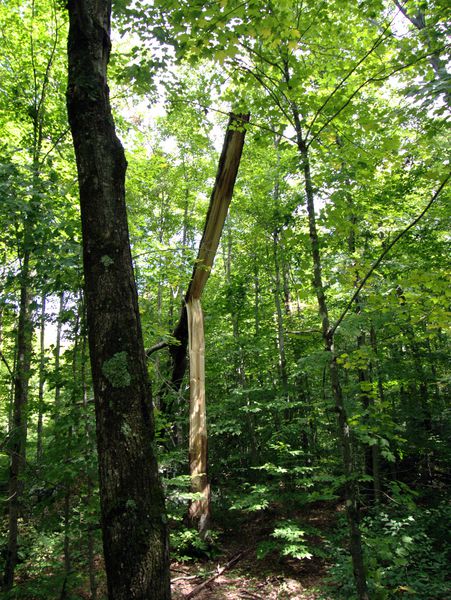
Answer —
132 504
41 381
18 432
351 486
57 354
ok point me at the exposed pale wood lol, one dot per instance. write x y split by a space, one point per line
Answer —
199 511
219 204
189 330
217 212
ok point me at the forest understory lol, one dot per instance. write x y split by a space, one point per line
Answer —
229 569
272 577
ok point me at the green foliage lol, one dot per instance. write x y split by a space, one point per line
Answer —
406 553
371 106
187 546
288 540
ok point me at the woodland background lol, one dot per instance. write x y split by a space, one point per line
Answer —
359 91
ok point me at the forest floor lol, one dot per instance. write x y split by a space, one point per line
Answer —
246 577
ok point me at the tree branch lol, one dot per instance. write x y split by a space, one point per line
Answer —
5 362
385 252
156 347
380 76
201 586
271 92
376 44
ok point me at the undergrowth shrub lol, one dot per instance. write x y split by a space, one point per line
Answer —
406 555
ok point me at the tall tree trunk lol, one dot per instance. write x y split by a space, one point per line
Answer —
90 485
11 389
59 325
380 397
131 497
65 591
372 459
279 313
235 316
351 486
18 433
239 369
25 326
67 547
286 285
41 380
256 298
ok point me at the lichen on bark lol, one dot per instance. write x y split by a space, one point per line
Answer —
107 261
116 370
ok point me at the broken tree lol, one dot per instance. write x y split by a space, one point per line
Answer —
190 328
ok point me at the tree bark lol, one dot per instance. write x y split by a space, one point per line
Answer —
41 381
132 503
351 485
59 326
18 433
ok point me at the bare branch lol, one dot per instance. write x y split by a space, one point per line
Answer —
385 252
376 45
219 572
5 362
156 347
382 75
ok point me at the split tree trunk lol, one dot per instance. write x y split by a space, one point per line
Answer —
186 330
199 510
131 497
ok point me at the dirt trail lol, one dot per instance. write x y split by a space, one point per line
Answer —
272 578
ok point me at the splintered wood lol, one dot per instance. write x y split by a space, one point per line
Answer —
219 203
199 510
